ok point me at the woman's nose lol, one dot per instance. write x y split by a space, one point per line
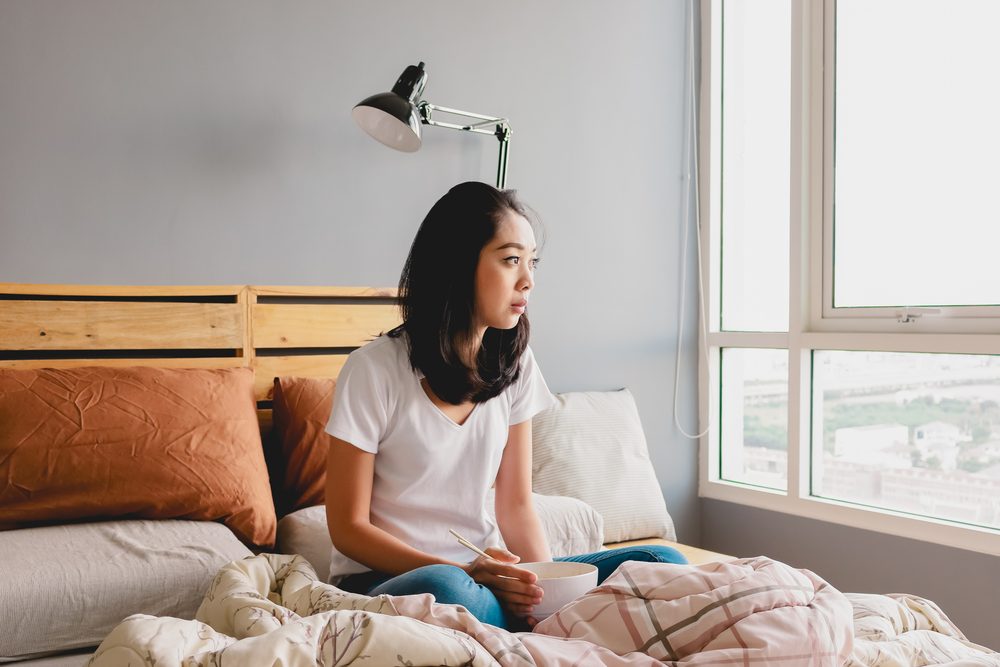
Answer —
527 280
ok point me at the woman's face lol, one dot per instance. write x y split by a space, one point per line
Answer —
504 276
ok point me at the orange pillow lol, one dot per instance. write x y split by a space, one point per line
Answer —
301 409
102 442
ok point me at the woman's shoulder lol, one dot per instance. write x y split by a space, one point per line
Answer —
527 367
527 358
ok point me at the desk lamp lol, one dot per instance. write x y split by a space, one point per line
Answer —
394 118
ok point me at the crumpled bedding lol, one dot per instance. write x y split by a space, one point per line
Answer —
273 610
900 630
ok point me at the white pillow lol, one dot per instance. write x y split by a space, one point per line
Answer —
590 446
67 586
570 526
304 532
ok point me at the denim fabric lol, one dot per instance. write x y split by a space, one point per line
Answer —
608 561
451 585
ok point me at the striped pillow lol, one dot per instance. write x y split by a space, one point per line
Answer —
590 446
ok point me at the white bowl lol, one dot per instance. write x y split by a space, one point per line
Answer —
562 581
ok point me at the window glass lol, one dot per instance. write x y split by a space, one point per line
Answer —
918 433
756 48
754 413
916 145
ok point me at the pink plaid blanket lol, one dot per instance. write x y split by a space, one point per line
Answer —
747 612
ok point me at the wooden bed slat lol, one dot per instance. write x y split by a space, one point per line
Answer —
121 290
310 366
323 291
278 325
88 325
160 362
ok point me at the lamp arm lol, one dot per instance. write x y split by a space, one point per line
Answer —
501 130
426 109
452 126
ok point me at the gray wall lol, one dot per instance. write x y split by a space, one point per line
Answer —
183 142
965 584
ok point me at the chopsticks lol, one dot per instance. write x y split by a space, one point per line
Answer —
469 545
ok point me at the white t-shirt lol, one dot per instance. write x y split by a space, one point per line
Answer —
431 474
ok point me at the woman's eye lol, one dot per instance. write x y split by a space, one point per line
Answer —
515 260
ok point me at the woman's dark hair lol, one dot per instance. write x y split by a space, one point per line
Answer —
437 296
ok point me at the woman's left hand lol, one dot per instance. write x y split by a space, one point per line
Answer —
515 588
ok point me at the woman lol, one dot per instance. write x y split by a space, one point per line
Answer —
429 416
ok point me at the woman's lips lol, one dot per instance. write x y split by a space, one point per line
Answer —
519 307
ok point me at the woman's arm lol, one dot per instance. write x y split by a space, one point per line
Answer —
516 517
349 476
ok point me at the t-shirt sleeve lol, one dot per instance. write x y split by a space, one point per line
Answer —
360 404
530 394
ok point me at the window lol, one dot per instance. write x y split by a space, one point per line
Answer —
915 154
846 171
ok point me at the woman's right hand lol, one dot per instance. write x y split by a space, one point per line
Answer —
513 586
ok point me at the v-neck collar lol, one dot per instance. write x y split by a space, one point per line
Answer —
439 411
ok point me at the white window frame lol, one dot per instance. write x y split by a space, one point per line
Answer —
813 325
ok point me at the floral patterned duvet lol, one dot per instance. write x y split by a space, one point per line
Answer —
273 610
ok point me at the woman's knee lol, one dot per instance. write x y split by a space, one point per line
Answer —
449 585
445 581
663 554
439 580
653 553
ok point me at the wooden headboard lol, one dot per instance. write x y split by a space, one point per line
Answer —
301 331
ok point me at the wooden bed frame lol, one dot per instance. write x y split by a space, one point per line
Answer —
300 331
293 331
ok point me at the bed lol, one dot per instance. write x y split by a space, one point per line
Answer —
258 364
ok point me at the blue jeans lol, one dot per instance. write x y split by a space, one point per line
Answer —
452 585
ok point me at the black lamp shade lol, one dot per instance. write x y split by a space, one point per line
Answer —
392 118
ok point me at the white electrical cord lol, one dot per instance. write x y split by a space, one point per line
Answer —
691 162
